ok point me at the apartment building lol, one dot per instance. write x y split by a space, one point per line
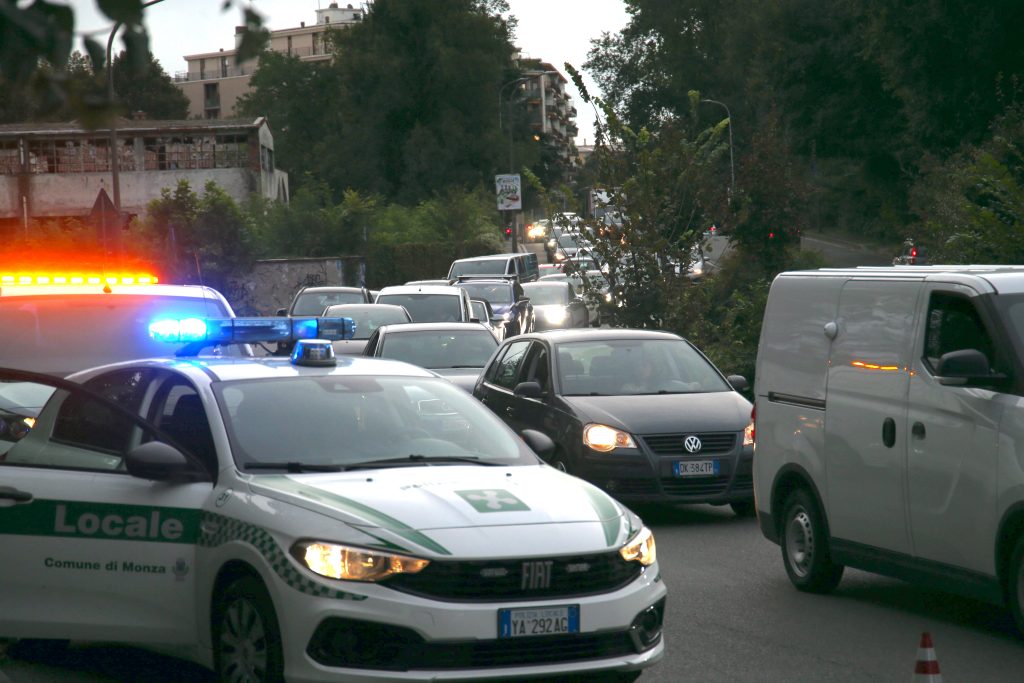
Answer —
213 82
550 109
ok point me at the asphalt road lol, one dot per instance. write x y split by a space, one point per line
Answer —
732 616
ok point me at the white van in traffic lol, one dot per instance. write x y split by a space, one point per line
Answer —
890 426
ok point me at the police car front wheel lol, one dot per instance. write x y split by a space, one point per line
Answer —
247 638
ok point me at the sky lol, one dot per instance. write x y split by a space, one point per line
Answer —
556 31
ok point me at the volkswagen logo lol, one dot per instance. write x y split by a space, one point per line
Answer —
692 444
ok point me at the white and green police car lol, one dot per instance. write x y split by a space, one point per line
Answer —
310 519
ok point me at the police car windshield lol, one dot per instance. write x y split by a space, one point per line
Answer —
322 421
63 334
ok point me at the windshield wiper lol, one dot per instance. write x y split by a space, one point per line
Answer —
291 467
416 459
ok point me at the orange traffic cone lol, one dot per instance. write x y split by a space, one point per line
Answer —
927 668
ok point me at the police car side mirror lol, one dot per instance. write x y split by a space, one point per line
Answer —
158 461
964 367
539 442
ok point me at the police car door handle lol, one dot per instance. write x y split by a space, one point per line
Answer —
918 430
9 493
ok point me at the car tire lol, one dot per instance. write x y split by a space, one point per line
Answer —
805 545
246 634
1015 584
743 508
558 461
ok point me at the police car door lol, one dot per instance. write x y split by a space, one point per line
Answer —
90 551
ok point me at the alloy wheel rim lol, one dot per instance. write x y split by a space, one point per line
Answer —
243 643
800 542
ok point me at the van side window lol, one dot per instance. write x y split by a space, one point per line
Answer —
953 325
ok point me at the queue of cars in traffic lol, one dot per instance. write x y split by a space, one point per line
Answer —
438 480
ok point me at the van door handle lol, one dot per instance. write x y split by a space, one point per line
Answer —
889 432
918 430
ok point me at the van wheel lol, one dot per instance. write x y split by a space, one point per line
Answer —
246 635
805 550
1015 584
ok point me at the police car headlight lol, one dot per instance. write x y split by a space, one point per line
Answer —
353 564
640 549
604 439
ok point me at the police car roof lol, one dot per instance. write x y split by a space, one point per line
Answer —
186 291
269 367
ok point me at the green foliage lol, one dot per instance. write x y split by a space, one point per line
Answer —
205 238
865 91
149 89
972 204
36 42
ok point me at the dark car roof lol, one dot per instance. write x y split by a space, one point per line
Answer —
596 334
432 327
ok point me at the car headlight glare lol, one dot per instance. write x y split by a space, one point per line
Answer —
353 564
641 548
555 315
605 439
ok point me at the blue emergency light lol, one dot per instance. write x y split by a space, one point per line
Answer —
249 330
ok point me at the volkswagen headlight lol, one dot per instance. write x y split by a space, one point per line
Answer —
353 564
605 439
641 548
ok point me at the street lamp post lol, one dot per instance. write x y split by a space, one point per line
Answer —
732 168
511 148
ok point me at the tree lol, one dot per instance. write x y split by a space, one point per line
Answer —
306 137
149 90
36 43
419 86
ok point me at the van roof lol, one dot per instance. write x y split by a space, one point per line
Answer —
999 279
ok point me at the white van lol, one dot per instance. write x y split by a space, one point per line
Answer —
889 406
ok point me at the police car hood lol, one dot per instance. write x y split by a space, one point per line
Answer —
464 511
719 411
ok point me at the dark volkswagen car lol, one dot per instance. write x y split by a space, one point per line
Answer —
644 415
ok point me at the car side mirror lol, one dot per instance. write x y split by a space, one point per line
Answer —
738 382
966 366
281 312
158 461
528 390
539 442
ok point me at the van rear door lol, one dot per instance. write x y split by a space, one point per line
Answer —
868 381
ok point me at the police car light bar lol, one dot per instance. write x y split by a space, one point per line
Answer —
11 279
249 330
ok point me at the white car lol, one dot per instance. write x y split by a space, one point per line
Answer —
313 519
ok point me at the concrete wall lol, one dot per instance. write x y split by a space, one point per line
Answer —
229 89
51 194
274 282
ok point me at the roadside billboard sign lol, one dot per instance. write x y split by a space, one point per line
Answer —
509 189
